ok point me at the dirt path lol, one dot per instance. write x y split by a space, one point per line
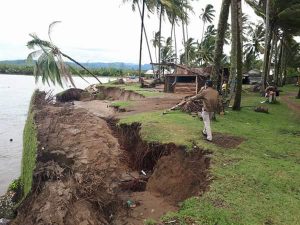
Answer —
98 108
151 104
290 102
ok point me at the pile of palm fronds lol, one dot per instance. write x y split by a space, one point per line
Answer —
192 106
188 105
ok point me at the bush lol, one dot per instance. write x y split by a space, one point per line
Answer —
15 185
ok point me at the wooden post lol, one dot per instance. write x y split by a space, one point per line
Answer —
197 84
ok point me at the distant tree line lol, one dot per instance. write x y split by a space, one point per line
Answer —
16 69
29 70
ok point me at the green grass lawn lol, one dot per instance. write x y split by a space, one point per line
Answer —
256 183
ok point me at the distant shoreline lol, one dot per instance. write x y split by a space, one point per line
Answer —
84 75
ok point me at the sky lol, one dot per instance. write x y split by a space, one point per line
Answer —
90 30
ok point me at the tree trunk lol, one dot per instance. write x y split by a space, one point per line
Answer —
239 61
172 27
159 43
74 61
283 59
274 42
146 37
240 20
222 26
184 40
141 39
233 60
298 95
267 48
202 32
277 63
175 43
184 44
285 69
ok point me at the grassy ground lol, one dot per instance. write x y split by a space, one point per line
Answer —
255 183
147 92
29 152
121 104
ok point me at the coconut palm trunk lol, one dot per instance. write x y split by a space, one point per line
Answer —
278 62
273 42
239 61
222 26
83 67
141 38
175 44
282 63
184 43
233 60
146 36
159 43
267 48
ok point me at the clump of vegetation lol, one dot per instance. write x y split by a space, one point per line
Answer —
121 104
15 185
150 222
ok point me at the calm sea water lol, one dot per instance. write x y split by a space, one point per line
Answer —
15 94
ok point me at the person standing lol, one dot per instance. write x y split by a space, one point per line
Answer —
210 98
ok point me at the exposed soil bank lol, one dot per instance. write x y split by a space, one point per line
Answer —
176 173
113 93
85 175
76 175
97 92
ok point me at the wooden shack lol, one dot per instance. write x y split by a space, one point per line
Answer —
186 80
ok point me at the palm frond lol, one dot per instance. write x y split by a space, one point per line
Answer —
33 55
36 41
51 27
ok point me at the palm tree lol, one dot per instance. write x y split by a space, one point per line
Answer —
155 42
222 25
50 65
205 49
190 52
178 12
207 15
167 54
278 15
174 9
254 43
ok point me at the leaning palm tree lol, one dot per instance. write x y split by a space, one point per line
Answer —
207 15
50 65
